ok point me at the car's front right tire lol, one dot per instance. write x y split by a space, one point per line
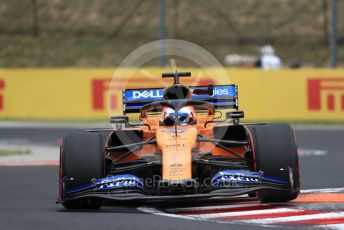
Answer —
276 156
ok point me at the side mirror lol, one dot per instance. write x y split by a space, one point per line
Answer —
119 121
204 90
235 116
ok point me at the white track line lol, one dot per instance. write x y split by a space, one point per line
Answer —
333 226
216 207
158 212
323 190
254 203
312 152
262 221
244 213
295 218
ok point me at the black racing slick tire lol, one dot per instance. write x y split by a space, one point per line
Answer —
81 160
276 156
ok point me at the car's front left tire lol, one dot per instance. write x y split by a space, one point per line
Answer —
81 160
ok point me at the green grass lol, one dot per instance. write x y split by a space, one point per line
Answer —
81 33
15 152
26 51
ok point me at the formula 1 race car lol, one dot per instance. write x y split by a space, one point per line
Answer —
180 151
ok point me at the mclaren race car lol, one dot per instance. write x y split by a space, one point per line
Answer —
185 148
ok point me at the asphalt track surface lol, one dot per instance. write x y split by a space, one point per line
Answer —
28 194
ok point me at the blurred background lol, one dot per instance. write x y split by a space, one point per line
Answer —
90 33
75 46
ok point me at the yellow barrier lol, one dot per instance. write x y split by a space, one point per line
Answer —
87 94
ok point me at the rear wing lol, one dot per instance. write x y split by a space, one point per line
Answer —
224 97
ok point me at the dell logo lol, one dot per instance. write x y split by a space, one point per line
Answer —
147 94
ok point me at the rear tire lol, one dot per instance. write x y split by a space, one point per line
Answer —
82 159
275 149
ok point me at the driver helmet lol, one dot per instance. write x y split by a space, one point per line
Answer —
184 116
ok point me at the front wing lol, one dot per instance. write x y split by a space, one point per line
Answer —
225 184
